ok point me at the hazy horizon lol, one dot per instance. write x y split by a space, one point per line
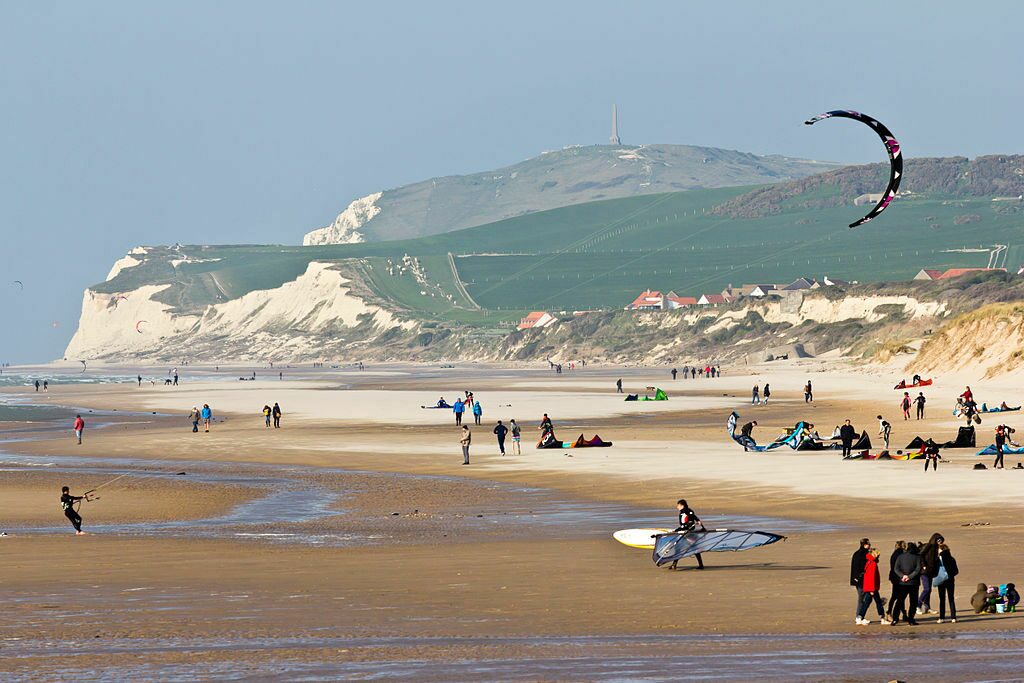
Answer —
130 124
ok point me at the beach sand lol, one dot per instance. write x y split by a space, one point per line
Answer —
411 544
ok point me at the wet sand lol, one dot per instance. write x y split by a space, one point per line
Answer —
495 575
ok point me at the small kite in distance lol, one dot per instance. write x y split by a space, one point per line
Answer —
892 147
138 324
20 284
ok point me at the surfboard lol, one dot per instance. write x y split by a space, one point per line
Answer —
638 538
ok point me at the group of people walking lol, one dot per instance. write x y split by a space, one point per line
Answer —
689 372
272 414
914 570
204 414
501 432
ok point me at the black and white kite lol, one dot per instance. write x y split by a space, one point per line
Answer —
891 146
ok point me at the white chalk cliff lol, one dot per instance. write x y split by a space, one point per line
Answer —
307 318
345 228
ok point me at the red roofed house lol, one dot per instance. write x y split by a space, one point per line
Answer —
928 274
957 272
675 301
712 300
647 301
537 319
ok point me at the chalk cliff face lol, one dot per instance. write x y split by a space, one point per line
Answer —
312 317
346 227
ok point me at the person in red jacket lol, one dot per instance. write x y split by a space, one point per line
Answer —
79 428
968 395
872 582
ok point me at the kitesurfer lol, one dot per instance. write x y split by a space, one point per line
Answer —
688 522
67 502
1002 435
858 563
916 380
846 435
465 440
546 425
931 455
79 428
884 429
905 403
500 431
746 432
919 402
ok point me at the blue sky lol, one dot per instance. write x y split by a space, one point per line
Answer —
127 123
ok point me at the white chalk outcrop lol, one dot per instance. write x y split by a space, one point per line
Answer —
302 319
346 227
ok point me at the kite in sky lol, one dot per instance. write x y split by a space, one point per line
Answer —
891 146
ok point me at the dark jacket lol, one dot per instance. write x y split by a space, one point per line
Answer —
930 556
979 601
892 565
949 562
857 563
847 433
908 564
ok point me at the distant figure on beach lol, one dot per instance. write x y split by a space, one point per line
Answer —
67 503
755 396
175 376
931 455
266 415
277 416
919 402
905 404
140 380
747 431
478 412
195 416
46 385
517 437
79 428
766 394
465 440
686 372
207 416
808 392
968 395
280 375
1002 436
37 385
500 431
884 429
847 434
618 386
688 522
674 372
546 424
458 409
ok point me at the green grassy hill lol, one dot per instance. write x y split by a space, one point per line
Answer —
601 254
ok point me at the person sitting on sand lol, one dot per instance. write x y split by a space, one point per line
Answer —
441 403
67 502
688 522
916 379
1011 598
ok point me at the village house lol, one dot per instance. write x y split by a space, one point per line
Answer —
536 319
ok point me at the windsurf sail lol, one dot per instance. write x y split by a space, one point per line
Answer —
675 546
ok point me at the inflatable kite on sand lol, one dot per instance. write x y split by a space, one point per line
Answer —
659 395
793 440
548 440
920 383
892 147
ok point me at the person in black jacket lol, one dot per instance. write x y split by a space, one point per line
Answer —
901 547
857 571
847 434
947 586
929 570
688 521
908 569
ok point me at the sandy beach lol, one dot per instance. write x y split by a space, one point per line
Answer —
352 542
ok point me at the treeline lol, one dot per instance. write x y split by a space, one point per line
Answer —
959 177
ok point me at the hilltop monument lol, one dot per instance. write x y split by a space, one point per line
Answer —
614 139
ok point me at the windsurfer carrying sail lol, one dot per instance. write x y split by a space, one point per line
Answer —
688 521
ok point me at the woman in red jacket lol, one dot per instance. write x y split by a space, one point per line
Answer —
872 582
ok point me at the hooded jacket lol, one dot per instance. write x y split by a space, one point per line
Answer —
979 601
930 556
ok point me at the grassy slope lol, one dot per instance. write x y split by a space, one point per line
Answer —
601 254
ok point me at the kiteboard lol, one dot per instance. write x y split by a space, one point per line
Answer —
638 538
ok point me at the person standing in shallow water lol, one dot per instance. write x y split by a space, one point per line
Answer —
67 502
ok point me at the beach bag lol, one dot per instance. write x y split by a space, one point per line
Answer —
942 577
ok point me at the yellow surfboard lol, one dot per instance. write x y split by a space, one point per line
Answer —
638 538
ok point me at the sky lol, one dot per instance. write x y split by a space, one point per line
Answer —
128 123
